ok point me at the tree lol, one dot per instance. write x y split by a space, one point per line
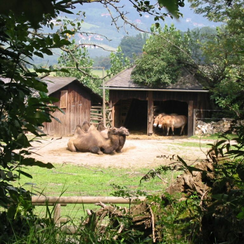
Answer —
118 62
216 10
164 55
223 54
102 61
23 96
132 45
76 60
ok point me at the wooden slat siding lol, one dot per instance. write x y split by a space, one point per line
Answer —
77 111
190 129
115 95
203 98
112 112
150 113
81 109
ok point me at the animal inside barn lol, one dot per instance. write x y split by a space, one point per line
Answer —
135 106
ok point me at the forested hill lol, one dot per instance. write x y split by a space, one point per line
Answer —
98 23
100 20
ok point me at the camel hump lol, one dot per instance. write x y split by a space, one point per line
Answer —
101 126
82 128
92 128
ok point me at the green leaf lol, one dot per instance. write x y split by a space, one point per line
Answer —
24 173
39 54
23 140
171 5
33 162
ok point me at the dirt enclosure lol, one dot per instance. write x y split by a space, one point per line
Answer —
138 152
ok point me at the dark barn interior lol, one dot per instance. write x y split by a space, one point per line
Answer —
133 114
136 119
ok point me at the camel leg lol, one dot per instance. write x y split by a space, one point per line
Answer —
108 150
71 146
96 150
173 130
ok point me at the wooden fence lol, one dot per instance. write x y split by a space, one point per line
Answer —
96 115
57 202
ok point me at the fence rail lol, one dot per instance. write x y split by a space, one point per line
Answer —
57 202
96 115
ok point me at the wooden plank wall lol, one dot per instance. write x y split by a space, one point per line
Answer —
76 112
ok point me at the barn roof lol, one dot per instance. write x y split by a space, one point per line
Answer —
56 83
123 81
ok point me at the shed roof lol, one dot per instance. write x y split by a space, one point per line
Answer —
186 83
56 83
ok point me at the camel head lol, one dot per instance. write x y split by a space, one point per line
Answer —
123 131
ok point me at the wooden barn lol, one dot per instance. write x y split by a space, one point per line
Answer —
75 100
134 106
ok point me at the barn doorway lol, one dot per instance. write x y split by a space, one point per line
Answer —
136 119
132 114
170 107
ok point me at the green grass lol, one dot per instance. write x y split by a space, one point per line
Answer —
99 72
72 180
84 181
194 144
216 136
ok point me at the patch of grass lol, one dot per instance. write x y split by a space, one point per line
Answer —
73 180
216 136
83 181
194 144
99 72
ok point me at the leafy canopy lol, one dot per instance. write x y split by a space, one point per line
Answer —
164 55
223 54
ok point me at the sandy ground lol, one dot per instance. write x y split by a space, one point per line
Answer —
138 152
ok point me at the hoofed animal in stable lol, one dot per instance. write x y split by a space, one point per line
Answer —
173 121
157 119
93 141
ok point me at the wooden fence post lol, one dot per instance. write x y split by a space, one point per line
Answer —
57 213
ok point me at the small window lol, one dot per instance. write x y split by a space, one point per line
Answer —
63 99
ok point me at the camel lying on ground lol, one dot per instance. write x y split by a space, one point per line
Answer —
92 140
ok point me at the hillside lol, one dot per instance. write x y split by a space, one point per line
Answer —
97 28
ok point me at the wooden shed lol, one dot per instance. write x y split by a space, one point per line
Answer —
75 100
134 106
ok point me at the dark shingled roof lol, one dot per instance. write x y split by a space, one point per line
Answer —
123 81
56 83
